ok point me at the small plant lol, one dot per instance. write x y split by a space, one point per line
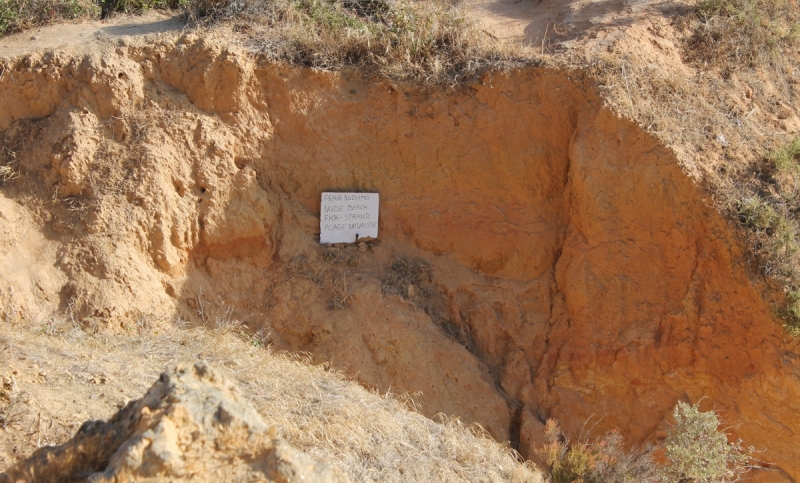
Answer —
791 313
756 213
408 278
699 452
787 158
343 294
780 231
317 271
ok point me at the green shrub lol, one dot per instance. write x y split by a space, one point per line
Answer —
756 213
787 158
698 452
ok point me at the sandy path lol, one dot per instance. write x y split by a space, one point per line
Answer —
64 37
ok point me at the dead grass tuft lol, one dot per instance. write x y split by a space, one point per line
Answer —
410 279
343 293
19 15
14 141
317 271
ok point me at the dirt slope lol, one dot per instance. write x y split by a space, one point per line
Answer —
193 424
573 269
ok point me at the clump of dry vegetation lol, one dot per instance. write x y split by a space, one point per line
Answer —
410 279
332 419
743 33
604 460
428 41
698 451
327 271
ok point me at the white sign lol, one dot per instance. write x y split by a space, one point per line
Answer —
346 217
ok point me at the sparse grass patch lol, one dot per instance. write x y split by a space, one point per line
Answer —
429 41
787 158
316 271
16 15
736 33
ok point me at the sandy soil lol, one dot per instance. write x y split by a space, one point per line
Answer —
87 35
551 25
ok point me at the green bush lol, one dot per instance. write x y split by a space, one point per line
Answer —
698 452
756 213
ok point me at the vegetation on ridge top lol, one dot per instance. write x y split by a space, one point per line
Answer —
430 41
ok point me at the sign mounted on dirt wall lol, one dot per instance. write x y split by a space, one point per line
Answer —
347 217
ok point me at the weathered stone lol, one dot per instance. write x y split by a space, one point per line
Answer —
192 425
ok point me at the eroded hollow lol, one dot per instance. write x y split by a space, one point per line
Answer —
556 262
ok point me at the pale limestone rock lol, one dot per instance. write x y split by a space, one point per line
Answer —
192 425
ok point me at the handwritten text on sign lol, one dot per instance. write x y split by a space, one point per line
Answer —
346 217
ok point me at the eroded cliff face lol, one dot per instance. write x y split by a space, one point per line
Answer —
565 266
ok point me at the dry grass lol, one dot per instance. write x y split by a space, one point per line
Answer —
343 293
604 460
733 34
371 437
428 41
425 41
410 279
17 15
